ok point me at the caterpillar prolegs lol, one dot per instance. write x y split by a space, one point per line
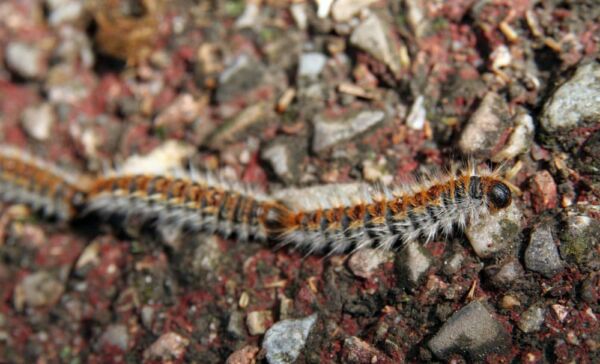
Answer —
317 222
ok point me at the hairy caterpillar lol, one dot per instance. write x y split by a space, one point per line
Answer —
185 202
350 219
43 187
377 217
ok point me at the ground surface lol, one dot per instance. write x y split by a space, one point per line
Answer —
285 94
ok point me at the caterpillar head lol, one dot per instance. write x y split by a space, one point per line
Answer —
498 195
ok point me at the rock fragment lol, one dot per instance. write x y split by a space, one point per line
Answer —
245 355
495 233
364 262
344 10
115 335
169 346
285 339
372 36
413 262
579 239
575 101
532 319
473 331
39 289
331 132
38 121
486 125
311 65
541 254
26 60
242 75
259 321
357 351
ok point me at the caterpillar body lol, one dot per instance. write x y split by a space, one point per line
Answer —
313 221
379 217
185 203
45 188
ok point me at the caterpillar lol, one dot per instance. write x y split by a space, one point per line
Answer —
43 187
384 218
332 219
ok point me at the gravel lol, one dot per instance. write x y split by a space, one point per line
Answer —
473 331
532 319
330 132
541 254
575 101
372 36
486 125
285 339
495 233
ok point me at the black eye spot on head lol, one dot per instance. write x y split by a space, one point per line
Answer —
499 195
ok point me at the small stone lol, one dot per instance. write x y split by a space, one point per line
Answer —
298 11
240 76
250 18
38 121
372 37
416 12
413 262
169 346
39 289
544 191
285 339
509 302
207 256
26 60
495 233
163 159
590 288
64 11
331 132
235 325
183 110
245 355
259 321
486 125
364 262
541 254
311 65
357 351
579 238
520 139
473 331
416 116
283 156
115 335
324 7
506 273
238 125
452 265
575 101
560 311
344 10
65 84
532 319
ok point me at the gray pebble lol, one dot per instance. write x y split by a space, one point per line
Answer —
285 339
38 120
26 60
372 37
575 101
495 233
485 126
311 65
542 255
532 319
579 238
472 331
506 273
331 132
38 289
413 262
115 335
242 75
